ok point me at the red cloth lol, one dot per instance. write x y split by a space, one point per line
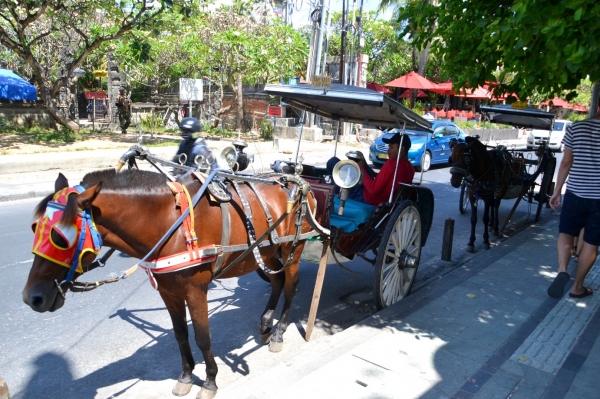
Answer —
470 115
377 191
441 114
451 113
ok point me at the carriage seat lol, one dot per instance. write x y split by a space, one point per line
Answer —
355 214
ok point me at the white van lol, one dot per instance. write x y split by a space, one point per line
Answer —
555 137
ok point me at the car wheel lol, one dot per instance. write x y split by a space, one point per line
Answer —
425 162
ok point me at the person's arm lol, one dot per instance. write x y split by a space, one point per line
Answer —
563 172
383 181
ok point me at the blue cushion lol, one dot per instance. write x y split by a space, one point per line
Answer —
355 214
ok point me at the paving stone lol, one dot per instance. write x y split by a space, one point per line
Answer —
498 387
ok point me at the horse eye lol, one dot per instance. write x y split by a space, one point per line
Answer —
58 239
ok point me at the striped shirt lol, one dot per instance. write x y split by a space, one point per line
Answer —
583 138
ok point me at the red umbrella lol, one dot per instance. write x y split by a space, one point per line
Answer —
412 80
420 93
378 87
479 93
443 88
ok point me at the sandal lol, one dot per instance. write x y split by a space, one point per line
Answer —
586 292
557 287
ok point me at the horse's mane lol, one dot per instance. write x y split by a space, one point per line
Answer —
128 180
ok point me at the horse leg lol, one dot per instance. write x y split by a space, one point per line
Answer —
496 219
198 307
486 222
289 290
266 319
176 308
471 244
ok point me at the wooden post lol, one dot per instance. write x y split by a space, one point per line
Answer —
4 394
312 314
447 239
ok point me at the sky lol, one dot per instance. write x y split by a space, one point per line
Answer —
302 9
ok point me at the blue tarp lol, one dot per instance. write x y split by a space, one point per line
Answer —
14 88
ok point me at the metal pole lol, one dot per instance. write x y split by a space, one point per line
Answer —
358 47
300 138
326 44
343 43
594 102
316 66
190 109
94 114
447 239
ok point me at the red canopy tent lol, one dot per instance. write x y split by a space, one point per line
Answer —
420 93
412 80
478 94
378 87
558 103
98 95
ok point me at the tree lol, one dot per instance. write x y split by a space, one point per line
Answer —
242 49
54 37
546 47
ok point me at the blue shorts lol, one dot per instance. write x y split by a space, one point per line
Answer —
577 213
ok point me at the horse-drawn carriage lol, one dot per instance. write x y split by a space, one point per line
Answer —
243 223
496 173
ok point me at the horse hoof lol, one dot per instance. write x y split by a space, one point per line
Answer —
266 337
486 246
182 389
275 346
496 233
470 249
206 394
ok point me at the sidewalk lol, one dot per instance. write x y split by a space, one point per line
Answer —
485 330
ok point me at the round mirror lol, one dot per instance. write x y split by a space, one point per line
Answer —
346 174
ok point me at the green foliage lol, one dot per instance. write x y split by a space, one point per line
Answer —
54 137
545 46
576 117
6 126
266 130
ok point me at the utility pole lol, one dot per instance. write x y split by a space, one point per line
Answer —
359 45
316 67
343 44
326 44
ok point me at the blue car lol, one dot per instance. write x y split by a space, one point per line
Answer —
436 152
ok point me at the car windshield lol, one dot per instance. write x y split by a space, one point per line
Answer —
409 132
558 126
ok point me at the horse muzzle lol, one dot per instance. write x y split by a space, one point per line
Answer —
43 297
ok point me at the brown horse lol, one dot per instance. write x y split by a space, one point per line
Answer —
488 174
131 211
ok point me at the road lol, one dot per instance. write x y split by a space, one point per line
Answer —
117 340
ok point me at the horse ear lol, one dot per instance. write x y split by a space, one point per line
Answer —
86 198
60 183
470 139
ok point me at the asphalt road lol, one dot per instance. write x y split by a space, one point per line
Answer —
117 340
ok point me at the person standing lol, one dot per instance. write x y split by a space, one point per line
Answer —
123 110
581 204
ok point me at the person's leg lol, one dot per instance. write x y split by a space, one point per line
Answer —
587 257
577 249
564 246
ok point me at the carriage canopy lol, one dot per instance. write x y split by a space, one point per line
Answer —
351 104
529 117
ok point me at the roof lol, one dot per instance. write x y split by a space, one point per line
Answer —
98 95
350 104
15 88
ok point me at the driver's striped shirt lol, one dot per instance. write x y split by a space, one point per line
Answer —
583 138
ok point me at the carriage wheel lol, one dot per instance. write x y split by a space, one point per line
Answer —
544 193
398 255
463 201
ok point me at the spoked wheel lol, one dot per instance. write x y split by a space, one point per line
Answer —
463 201
398 255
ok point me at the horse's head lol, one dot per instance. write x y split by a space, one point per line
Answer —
65 243
460 159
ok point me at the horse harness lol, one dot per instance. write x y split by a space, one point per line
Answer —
218 192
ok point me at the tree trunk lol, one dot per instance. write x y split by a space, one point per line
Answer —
221 110
61 120
239 103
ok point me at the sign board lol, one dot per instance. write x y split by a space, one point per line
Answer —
321 81
275 110
190 90
519 104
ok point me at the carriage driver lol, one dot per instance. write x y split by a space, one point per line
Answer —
376 190
192 145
